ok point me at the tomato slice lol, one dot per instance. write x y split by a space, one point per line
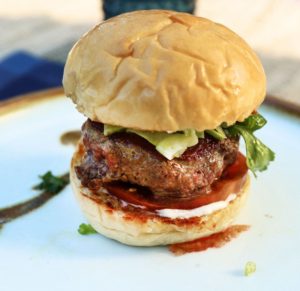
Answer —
231 182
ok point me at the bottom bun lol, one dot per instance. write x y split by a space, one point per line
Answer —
142 228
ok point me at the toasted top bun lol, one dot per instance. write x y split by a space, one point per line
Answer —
132 228
164 71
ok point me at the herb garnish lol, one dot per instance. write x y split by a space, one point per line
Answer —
85 229
51 183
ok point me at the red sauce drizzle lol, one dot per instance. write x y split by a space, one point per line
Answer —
215 240
231 182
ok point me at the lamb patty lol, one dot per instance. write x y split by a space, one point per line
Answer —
129 158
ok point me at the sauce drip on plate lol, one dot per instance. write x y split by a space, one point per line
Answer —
215 240
70 137
12 212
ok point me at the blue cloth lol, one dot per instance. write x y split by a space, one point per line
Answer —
22 73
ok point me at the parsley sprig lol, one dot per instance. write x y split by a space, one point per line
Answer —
51 183
85 229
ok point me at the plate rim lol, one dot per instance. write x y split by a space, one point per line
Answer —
25 100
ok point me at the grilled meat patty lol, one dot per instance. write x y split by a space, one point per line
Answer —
129 158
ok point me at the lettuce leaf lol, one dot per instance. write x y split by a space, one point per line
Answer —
217 133
172 145
110 129
258 155
151 136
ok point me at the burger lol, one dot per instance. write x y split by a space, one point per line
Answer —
168 96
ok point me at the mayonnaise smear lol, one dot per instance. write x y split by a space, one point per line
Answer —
202 210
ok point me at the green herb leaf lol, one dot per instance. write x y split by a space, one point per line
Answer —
217 133
253 122
86 229
51 183
258 154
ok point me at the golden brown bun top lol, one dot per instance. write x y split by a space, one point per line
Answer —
164 71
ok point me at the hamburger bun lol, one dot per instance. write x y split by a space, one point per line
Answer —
164 71
131 228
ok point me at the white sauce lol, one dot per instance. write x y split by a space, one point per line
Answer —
124 204
202 210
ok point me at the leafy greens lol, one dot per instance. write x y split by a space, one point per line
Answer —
172 145
258 154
